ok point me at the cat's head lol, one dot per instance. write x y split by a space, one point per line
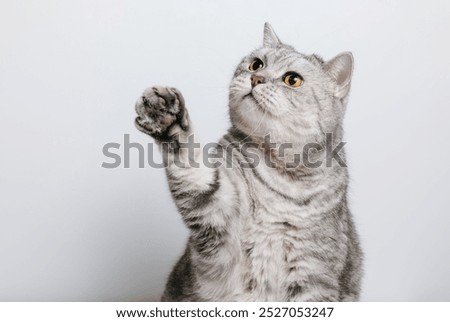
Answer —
292 96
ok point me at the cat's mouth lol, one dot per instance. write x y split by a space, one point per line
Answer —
250 96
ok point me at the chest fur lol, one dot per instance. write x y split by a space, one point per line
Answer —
279 235
265 240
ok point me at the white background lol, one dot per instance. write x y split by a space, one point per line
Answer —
70 73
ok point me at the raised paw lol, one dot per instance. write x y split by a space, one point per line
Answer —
159 110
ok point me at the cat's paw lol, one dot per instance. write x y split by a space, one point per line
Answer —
161 112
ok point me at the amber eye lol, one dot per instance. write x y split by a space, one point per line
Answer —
256 64
292 79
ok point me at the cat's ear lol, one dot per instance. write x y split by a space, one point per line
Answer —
270 37
341 69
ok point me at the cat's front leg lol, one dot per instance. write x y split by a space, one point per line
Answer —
162 114
203 193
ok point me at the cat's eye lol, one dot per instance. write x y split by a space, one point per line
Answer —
256 64
292 79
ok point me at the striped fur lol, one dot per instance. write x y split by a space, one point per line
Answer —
263 232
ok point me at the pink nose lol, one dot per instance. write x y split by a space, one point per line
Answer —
255 80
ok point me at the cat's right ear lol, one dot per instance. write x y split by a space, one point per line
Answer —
341 69
270 37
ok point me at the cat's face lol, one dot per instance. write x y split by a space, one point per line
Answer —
294 97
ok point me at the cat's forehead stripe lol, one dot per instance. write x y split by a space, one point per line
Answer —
290 58
280 56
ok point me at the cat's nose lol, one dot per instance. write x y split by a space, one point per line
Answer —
255 80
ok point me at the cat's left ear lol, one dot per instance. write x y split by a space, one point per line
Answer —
270 37
341 69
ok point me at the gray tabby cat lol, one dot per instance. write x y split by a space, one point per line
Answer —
267 231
